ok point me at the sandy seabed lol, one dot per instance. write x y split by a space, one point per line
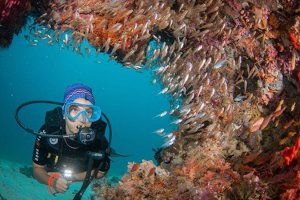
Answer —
15 185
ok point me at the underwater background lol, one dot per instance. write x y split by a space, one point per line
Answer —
128 97
230 70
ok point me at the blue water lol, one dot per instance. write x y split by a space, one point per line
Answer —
42 72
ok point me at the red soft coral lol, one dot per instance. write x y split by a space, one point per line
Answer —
294 41
290 153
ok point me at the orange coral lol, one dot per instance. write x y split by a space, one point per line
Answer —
191 168
294 41
123 35
290 153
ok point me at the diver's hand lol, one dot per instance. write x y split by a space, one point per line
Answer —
61 185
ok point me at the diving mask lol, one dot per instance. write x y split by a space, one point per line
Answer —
83 112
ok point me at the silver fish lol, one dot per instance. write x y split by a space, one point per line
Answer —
156 54
176 121
185 110
159 131
172 48
222 81
189 65
207 62
116 27
162 114
107 45
201 107
201 65
144 37
171 22
199 91
162 5
239 62
219 64
180 8
66 40
128 55
156 38
164 51
198 49
164 91
180 27
145 27
191 97
116 47
239 98
207 81
169 142
43 15
177 57
160 70
182 16
185 79
180 45
137 67
212 93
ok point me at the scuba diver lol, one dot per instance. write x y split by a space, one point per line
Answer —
71 145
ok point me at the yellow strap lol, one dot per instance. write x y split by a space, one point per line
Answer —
56 159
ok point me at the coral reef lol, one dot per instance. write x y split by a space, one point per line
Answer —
234 65
12 17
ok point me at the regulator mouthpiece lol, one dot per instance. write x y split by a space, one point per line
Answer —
85 135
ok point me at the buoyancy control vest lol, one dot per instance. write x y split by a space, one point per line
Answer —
68 153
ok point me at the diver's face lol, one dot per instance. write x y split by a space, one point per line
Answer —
72 126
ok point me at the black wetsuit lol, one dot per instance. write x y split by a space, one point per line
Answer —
58 154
